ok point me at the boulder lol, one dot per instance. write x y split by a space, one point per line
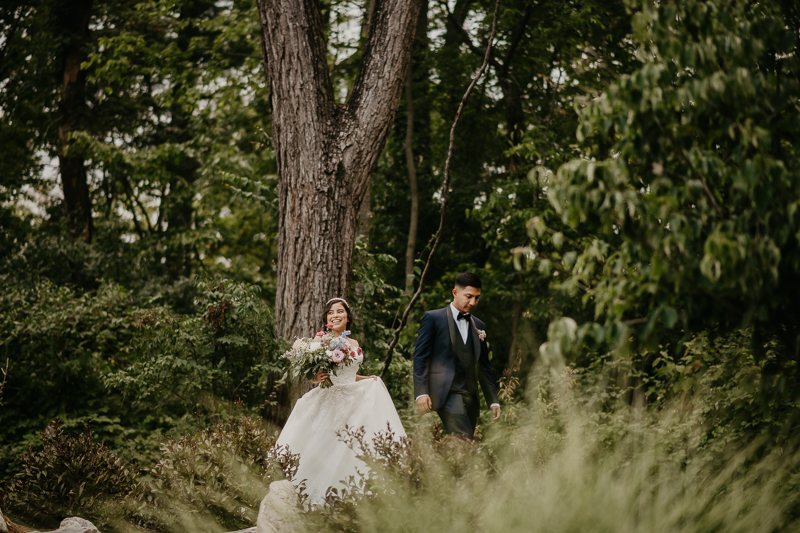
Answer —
74 524
280 509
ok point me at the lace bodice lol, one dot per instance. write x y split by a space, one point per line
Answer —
347 373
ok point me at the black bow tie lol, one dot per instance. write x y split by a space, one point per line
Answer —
465 316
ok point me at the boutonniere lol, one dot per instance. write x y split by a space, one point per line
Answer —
482 335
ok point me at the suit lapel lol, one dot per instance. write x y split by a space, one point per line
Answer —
451 325
476 342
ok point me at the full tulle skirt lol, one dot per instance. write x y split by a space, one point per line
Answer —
311 431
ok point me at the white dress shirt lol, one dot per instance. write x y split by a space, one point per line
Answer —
463 329
462 325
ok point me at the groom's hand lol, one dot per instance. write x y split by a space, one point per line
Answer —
424 404
495 413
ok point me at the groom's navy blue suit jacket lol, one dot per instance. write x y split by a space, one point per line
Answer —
434 358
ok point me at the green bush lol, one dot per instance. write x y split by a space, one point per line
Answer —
681 214
59 344
131 374
69 476
207 362
218 474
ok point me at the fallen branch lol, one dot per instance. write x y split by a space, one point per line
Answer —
445 192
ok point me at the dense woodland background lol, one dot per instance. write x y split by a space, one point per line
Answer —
625 181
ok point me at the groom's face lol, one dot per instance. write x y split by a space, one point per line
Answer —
466 298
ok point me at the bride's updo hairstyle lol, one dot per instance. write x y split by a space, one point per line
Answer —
342 301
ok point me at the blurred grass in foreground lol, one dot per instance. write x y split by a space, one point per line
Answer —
558 461
561 466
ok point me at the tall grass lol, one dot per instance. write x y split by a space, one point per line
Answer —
555 463
558 469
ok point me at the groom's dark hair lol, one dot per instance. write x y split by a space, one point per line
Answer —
468 279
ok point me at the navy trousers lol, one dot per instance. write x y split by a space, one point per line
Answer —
458 415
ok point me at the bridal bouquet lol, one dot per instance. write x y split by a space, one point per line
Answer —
324 352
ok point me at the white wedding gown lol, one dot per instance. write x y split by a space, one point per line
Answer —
325 461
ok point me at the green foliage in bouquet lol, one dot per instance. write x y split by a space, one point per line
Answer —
325 352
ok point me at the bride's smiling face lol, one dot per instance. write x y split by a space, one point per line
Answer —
337 317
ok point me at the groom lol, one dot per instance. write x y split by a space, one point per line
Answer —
451 358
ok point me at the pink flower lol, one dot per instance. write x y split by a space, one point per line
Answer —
337 356
353 354
359 350
320 333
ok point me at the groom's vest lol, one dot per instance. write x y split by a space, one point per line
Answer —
464 362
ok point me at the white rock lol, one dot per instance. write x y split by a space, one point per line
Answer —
3 525
280 509
74 524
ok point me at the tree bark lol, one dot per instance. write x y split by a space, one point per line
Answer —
325 151
74 19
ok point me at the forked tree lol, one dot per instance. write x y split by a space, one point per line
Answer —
325 150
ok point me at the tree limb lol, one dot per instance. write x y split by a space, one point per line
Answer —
445 192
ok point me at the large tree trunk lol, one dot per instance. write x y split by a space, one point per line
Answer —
325 151
74 19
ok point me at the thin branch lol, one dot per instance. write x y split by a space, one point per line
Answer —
200 261
467 38
129 205
445 192
516 38
3 384
501 69
412 181
705 185
135 199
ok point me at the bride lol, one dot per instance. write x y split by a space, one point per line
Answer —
354 401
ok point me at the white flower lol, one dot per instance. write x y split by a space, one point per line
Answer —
298 343
314 346
482 334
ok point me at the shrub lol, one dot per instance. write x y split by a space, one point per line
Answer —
69 476
220 474
204 362
59 344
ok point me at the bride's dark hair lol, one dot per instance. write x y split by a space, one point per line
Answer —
346 308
